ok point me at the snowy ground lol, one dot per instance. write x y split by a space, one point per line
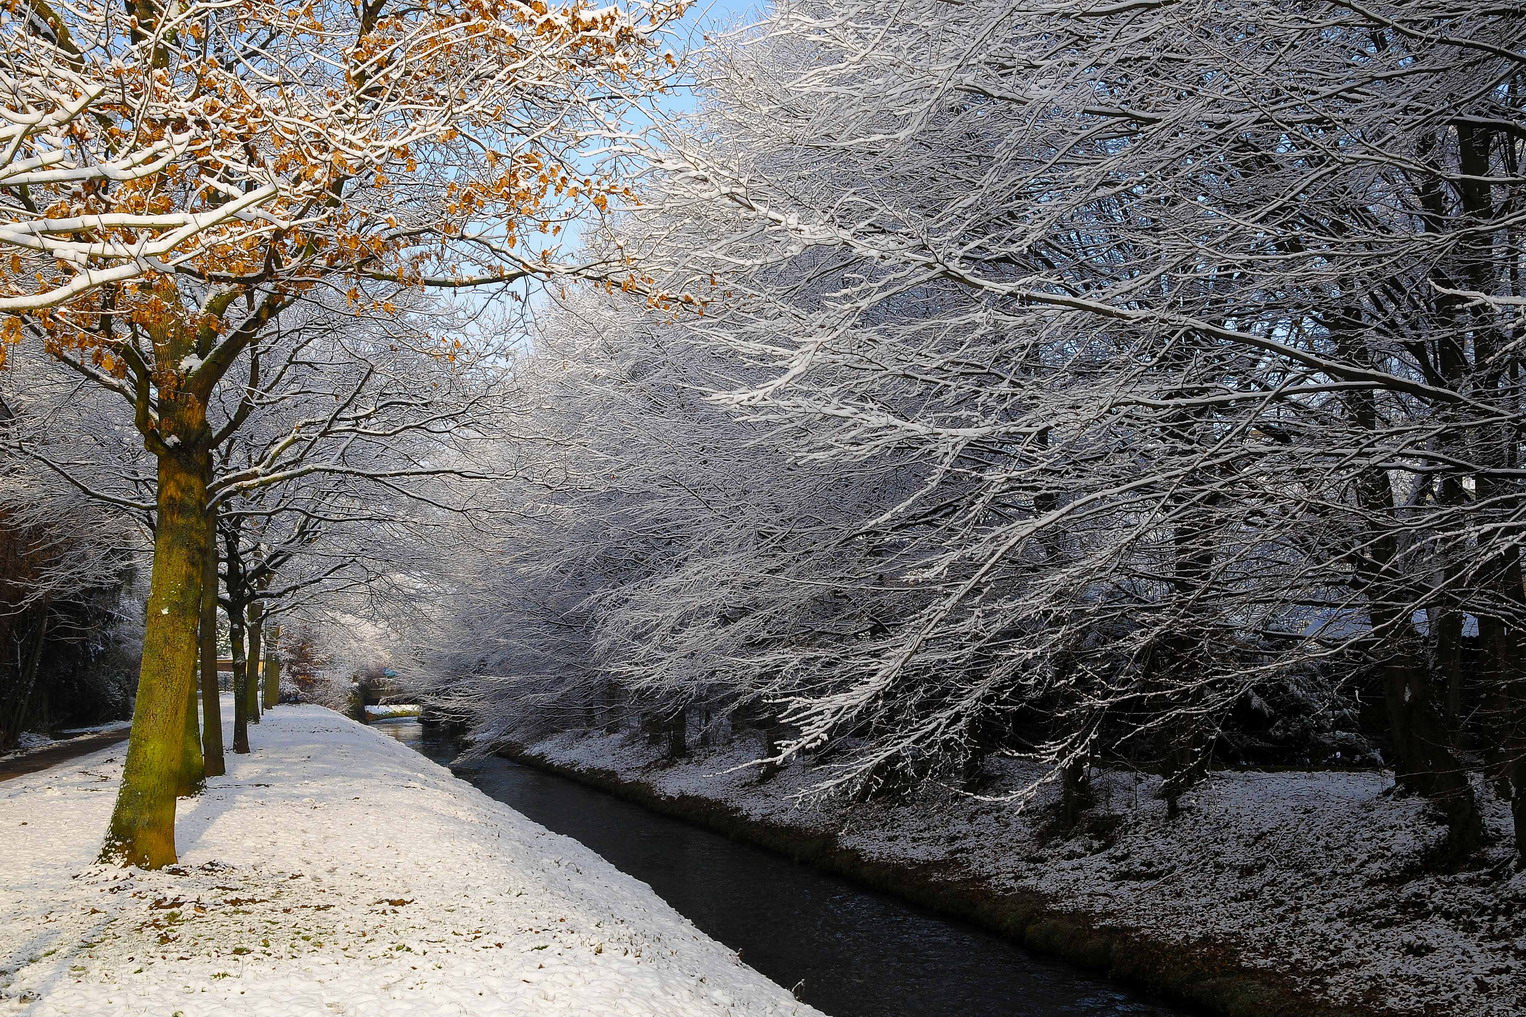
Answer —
1317 875
336 872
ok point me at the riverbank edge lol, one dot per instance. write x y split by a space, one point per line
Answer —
1208 978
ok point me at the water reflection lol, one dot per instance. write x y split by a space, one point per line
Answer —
853 952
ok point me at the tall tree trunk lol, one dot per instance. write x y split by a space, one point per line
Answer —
36 705
191 762
240 670
256 632
213 764
1503 676
19 711
272 679
1423 759
1423 747
142 830
612 707
1076 793
678 733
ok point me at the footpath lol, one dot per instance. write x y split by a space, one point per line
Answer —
336 872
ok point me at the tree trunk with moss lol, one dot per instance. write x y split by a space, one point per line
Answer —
142 830
213 764
272 683
253 660
191 763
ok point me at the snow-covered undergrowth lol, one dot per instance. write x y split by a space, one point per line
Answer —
30 741
1316 875
337 872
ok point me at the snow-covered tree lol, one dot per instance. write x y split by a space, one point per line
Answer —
1168 353
406 146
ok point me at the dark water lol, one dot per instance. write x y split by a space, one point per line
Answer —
851 951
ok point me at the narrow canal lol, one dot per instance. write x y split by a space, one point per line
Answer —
848 950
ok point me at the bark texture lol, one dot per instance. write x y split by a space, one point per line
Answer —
272 678
142 830
254 633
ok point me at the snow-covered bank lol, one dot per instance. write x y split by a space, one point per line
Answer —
337 872
1274 893
31 741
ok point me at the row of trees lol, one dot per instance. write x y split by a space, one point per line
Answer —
72 600
1055 379
219 218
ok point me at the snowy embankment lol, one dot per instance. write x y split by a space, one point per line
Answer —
337 872
31 741
1315 880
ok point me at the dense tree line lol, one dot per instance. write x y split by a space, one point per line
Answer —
1097 383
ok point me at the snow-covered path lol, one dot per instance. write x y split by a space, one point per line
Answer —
337 872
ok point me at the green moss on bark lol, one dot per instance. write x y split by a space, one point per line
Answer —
142 830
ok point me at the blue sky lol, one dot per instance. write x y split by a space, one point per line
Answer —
705 16
707 13
709 16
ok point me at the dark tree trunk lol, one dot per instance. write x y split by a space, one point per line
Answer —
1423 759
236 639
1076 794
213 764
253 660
